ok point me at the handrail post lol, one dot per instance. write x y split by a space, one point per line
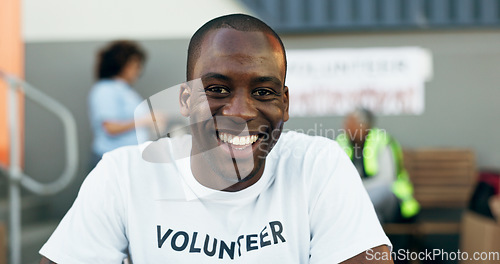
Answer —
15 173
15 176
15 222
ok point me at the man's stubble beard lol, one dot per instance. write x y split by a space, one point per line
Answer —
236 177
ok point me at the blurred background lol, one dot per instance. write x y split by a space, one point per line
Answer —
57 41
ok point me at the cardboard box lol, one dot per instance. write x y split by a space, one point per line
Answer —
480 234
495 207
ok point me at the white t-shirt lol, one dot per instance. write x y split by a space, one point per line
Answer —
309 207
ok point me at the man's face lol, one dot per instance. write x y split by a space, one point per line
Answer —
242 89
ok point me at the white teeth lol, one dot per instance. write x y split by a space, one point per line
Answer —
236 140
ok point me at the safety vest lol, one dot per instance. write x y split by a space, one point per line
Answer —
402 187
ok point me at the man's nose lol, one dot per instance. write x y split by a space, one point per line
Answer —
241 106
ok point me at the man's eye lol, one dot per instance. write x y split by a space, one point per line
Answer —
263 92
217 90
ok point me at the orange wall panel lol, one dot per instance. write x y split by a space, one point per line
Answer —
12 62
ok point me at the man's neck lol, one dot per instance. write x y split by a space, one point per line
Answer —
206 175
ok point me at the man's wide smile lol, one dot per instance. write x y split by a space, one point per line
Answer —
238 142
239 145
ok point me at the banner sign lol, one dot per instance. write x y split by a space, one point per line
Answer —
329 82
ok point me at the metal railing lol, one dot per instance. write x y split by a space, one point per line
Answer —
16 176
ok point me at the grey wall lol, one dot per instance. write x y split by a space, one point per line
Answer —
461 105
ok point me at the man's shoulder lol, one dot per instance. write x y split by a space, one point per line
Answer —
310 160
125 153
161 151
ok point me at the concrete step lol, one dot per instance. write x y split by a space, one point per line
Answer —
33 238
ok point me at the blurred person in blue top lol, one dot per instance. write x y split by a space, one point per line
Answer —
112 100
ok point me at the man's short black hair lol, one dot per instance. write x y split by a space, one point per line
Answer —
240 22
113 57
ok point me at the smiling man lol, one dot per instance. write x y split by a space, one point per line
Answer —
245 193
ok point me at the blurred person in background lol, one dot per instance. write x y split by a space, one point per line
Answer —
379 160
112 100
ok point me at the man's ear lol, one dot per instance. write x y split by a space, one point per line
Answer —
184 95
286 101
